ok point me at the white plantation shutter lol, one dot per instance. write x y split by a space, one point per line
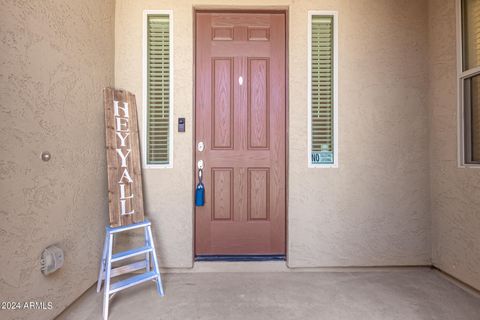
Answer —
470 80
474 126
475 107
158 89
322 64
471 36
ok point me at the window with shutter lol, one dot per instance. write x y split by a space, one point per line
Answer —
322 89
158 100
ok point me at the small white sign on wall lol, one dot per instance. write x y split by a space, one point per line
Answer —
322 157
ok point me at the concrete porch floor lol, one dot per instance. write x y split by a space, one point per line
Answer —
408 294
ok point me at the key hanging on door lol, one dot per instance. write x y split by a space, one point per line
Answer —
200 190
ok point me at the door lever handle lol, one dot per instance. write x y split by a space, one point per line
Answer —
200 189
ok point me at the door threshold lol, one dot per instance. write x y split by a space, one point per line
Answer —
239 258
240 266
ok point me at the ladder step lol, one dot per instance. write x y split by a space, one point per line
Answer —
131 253
129 268
120 285
143 224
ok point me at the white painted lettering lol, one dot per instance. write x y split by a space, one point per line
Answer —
122 192
117 108
123 138
123 157
125 175
123 209
121 124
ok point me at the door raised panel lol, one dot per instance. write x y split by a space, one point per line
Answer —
222 193
258 103
258 33
258 193
222 33
222 96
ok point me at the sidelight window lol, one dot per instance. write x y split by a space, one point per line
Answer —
158 89
322 89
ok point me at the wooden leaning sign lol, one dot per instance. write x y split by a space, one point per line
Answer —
125 199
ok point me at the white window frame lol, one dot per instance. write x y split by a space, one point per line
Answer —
334 14
461 76
146 165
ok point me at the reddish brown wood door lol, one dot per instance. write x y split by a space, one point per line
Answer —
240 119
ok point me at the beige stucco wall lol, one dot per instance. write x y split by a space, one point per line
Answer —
56 56
373 209
455 191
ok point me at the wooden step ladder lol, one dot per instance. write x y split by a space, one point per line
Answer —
150 264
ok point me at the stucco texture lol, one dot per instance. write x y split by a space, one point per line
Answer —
455 191
371 211
56 57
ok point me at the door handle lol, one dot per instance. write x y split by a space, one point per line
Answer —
200 189
200 164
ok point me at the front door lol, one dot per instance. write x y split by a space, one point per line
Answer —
240 120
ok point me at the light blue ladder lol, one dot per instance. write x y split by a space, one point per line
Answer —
106 272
